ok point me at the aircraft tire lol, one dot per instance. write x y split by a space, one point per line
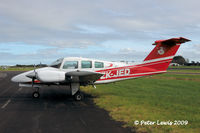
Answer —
78 96
36 94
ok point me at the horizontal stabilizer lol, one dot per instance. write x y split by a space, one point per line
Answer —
172 41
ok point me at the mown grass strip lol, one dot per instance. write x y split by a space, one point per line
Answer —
184 66
17 69
185 71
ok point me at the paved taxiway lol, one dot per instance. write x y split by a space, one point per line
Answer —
54 112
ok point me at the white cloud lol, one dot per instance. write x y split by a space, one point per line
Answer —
85 24
126 50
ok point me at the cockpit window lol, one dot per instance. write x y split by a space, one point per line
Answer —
56 63
99 64
70 65
86 64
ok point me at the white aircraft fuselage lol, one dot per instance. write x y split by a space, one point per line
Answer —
55 73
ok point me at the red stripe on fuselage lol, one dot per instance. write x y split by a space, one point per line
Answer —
135 70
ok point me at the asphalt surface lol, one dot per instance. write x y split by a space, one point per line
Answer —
54 112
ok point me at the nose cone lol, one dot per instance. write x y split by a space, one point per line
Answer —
15 79
21 78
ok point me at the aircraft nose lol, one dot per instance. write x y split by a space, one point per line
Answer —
15 79
21 78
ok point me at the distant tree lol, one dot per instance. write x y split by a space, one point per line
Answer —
18 65
193 63
179 59
41 65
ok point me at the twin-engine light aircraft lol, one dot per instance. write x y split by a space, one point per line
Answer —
75 72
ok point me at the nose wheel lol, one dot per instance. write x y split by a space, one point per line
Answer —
36 93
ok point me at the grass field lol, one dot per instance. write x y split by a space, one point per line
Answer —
185 71
161 97
17 69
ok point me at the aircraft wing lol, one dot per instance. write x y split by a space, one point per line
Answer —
86 77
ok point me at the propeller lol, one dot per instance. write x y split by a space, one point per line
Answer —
33 80
32 75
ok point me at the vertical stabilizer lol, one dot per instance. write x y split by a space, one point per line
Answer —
161 56
165 48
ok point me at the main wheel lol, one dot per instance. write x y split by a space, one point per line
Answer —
78 96
36 94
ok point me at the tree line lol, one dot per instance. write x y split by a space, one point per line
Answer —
182 61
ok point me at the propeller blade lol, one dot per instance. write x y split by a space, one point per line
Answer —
33 80
32 75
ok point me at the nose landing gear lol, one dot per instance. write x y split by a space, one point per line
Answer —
36 93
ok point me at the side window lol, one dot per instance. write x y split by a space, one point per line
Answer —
86 64
70 65
99 64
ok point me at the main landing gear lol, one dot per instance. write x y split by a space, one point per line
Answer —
75 87
36 93
78 96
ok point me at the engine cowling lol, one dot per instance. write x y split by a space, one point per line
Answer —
50 76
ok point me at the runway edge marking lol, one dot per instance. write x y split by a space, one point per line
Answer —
7 102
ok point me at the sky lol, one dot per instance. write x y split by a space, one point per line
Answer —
34 31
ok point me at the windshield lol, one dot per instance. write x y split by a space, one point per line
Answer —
56 63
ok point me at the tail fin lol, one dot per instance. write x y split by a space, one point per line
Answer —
165 48
163 53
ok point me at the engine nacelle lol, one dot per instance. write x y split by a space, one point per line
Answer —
50 76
